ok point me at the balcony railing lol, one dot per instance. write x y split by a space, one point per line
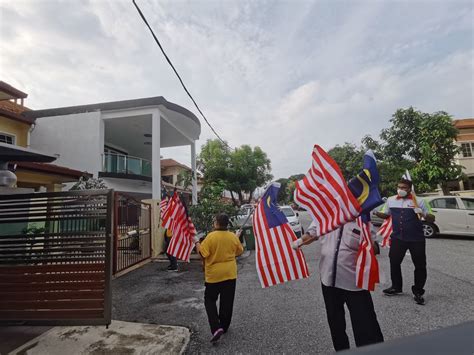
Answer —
125 164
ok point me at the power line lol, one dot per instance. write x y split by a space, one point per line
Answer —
175 71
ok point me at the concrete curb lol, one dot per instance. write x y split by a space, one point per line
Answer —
120 337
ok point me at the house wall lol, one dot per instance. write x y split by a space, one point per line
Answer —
174 171
15 128
128 185
78 139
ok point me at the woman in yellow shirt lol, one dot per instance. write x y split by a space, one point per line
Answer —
219 250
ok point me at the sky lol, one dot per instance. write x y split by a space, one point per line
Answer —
282 75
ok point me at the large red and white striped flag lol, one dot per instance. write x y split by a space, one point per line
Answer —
385 231
367 266
324 193
276 260
176 219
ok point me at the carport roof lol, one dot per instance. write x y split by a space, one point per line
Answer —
111 106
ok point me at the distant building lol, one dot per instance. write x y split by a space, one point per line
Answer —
465 140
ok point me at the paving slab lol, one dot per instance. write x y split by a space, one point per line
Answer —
119 338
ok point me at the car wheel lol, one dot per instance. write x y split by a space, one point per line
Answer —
429 230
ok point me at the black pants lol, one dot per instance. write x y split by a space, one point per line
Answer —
363 318
398 249
171 258
226 291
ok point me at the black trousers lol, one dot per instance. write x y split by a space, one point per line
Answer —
225 290
398 249
363 318
171 258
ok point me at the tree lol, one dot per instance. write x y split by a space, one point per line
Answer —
349 157
210 204
241 170
437 150
282 197
424 144
401 140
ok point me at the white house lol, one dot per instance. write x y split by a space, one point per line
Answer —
118 141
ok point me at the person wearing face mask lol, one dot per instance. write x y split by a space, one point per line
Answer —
407 211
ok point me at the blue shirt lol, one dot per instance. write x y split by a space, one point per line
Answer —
406 224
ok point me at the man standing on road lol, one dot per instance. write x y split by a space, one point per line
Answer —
338 281
406 211
219 250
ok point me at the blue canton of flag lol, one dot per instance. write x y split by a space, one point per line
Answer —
364 186
273 215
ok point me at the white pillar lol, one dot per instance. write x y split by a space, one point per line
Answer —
155 155
194 176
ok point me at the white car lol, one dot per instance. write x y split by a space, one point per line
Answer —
293 219
454 215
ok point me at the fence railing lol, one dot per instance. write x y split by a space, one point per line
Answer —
125 164
56 257
132 232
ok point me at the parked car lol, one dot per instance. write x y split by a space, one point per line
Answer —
244 213
377 221
293 219
454 215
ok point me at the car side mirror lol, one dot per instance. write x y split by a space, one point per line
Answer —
297 214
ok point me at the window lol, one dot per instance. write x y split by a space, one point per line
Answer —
7 138
469 203
449 203
167 178
466 149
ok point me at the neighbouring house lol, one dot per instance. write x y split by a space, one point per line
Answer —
118 141
465 140
15 134
174 175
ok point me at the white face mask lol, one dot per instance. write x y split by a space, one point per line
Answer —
402 193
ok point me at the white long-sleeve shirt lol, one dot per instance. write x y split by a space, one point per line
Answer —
339 255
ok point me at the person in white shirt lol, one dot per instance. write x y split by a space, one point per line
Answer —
338 281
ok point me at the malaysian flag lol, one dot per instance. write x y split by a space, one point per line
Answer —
164 200
325 195
367 267
176 219
276 260
385 231
365 186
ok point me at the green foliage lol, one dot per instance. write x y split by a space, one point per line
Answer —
185 179
401 140
241 170
438 149
210 204
421 143
287 188
349 157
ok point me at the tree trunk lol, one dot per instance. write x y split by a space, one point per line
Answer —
233 198
250 196
444 187
241 198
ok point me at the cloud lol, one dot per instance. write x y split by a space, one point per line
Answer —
280 75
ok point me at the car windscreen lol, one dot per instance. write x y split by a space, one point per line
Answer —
288 212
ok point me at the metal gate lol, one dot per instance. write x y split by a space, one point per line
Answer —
132 232
56 257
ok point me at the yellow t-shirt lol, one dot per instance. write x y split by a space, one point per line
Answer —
219 250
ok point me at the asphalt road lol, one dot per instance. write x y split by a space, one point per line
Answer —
291 317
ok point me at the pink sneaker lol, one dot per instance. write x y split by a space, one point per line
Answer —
217 334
